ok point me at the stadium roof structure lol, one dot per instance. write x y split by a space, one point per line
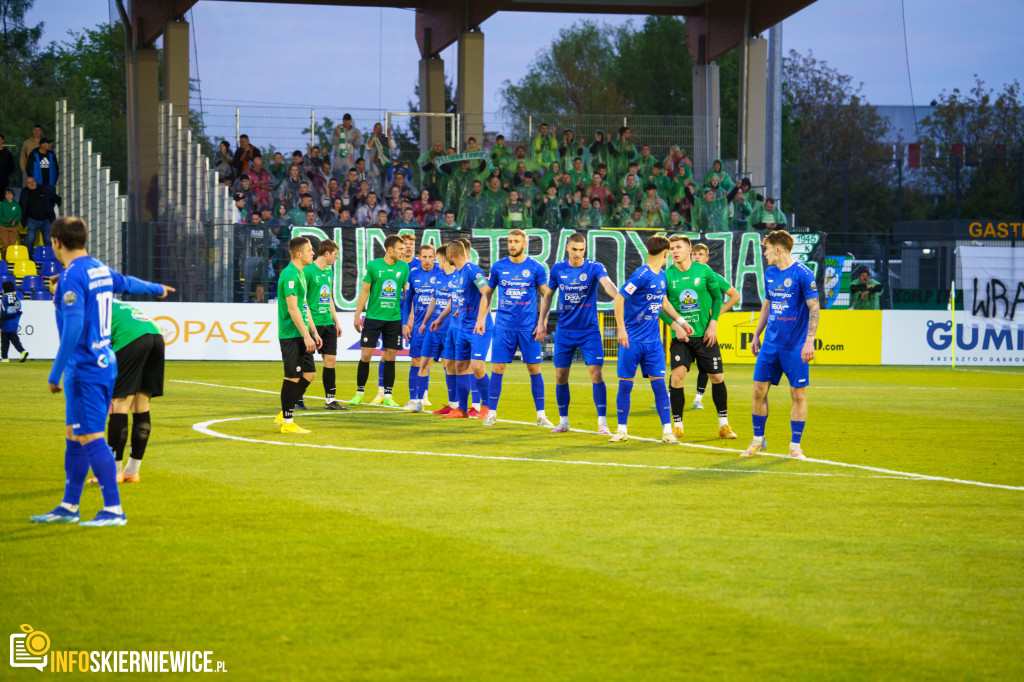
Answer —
717 25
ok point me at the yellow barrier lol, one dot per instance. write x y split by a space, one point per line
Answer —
845 337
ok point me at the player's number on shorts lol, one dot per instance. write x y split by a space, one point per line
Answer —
105 302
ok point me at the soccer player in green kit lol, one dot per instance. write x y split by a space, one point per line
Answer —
320 297
700 254
383 286
693 295
296 331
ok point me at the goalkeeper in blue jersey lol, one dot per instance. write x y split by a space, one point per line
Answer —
789 319
87 363
636 315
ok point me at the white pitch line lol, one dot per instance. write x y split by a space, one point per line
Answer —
204 428
732 451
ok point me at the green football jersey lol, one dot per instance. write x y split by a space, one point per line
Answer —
386 284
127 324
695 295
724 285
319 284
290 283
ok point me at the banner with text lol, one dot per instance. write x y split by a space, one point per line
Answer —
845 337
738 256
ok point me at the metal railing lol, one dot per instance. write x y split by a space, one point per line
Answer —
86 188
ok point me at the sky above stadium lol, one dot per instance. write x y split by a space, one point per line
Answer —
365 58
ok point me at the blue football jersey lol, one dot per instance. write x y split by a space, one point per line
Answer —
442 296
421 290
86 293
10 305
469 294
517 285
643 291
577 288
787 292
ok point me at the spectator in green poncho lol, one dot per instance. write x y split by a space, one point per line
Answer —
621 153
501 155
767 216
431 176
646 161
528 191
587 215
548 209
724 181
865 292
473 208
545 148
579 176
740 210
654 208
517 214
599 151
496 198
570 149
710 213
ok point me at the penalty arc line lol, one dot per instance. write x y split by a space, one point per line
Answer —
204 428
864 467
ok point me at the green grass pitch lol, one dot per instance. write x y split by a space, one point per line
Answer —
403 546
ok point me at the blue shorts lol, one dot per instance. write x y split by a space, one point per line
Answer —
587 340
451 340
470 346
416 343
773 362
650 357
433 343
504 345
86 405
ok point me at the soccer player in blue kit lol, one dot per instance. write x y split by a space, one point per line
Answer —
88 365
789 318
470 347
636 315
434 341
577 280
517 278
422 281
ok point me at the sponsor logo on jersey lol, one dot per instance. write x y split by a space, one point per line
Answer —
583 277
688 301
788 282
526 273
630 288
70 298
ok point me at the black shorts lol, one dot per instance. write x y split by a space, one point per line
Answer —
140 367
296 360
390 330
683 353
329 335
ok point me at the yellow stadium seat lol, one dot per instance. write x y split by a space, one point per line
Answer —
16 253
23 268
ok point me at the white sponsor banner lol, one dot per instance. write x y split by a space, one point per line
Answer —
992 279
925 337
196 331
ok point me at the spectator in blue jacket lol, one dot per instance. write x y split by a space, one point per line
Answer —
42 165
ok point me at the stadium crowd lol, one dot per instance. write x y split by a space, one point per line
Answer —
609 181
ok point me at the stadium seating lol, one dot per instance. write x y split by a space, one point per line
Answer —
42 295
16 253
31 284
43 253
23 268
49 268
4 270
6 277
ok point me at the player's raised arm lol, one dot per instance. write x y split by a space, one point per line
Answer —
364 296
